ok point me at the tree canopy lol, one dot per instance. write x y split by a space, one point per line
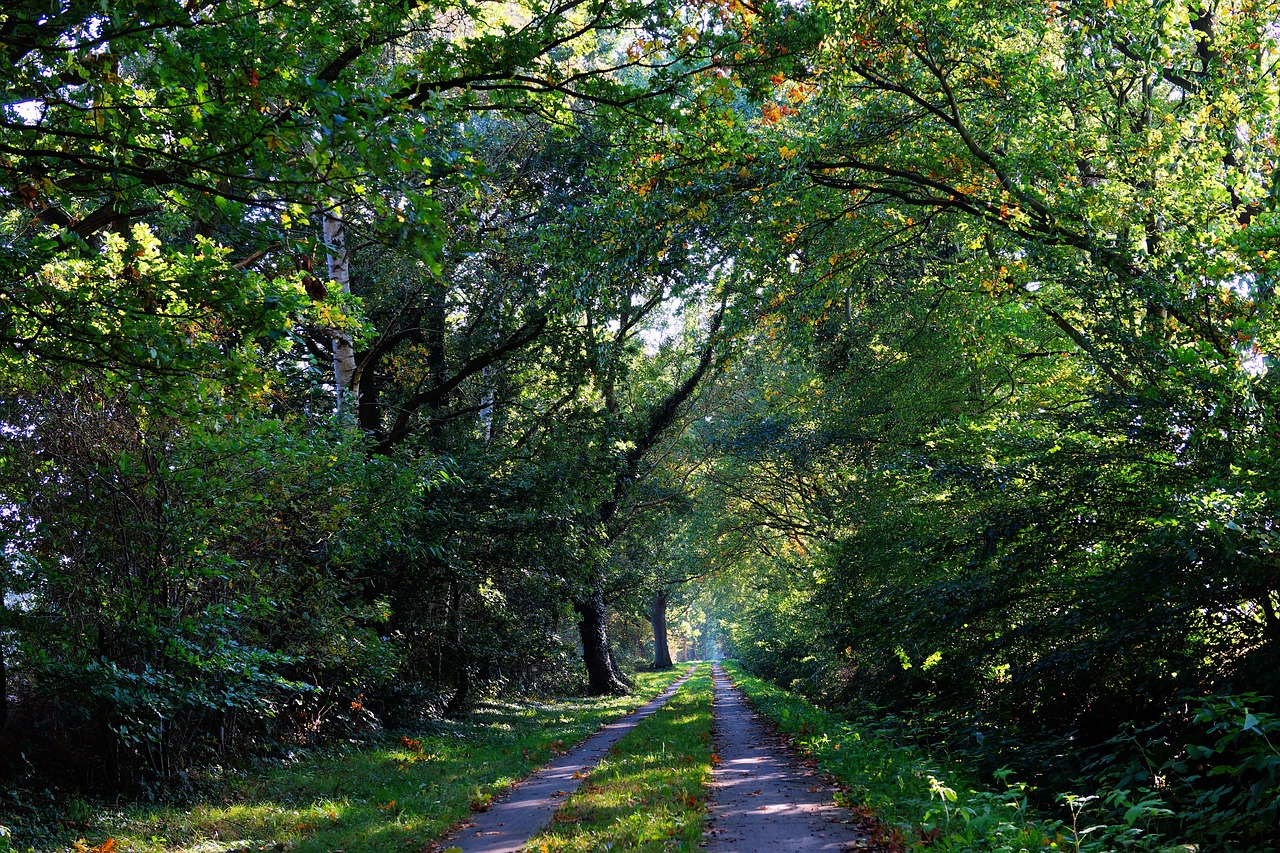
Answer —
360 359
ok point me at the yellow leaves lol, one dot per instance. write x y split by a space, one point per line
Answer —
642 48
107 846
800 92
787 153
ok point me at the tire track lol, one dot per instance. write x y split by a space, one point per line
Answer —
762 800
509 823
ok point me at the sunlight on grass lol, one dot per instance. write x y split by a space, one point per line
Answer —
401 795
649 793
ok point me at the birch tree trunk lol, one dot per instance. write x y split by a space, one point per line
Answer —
344 353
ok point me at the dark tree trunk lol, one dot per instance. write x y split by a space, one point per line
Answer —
434 323
658 618
457 704
603 675
4 680
4 694
617 670
1270 621
369 411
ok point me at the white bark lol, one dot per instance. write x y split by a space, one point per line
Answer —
486 406
344 353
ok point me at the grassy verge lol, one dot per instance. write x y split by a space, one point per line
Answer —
649 793
923 805
399 796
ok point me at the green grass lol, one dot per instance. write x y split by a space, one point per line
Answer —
649 793
923 804
399 796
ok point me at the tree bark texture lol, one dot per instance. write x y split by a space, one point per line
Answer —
658 619
603 675
344 353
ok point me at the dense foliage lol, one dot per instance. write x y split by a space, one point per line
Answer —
1014 479
319 339
356 359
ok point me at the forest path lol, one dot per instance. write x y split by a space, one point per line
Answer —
762 800
508 824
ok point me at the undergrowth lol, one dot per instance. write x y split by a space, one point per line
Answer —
402 794
925 805
649 793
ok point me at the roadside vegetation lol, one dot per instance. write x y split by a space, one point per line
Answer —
924 356
927 801
401 794
649 793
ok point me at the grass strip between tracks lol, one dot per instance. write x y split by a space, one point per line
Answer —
397 796
649 793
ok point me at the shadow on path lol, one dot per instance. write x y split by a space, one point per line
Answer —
509 823
762 800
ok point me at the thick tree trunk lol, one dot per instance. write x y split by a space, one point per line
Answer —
603 676
658 618
617 670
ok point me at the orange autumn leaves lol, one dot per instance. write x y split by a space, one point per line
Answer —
794 93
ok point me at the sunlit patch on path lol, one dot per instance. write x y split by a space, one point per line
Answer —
509 823
762 799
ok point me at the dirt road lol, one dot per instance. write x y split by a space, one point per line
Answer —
762 800
509 823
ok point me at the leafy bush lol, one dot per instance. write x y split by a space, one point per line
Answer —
1217 767
938 806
